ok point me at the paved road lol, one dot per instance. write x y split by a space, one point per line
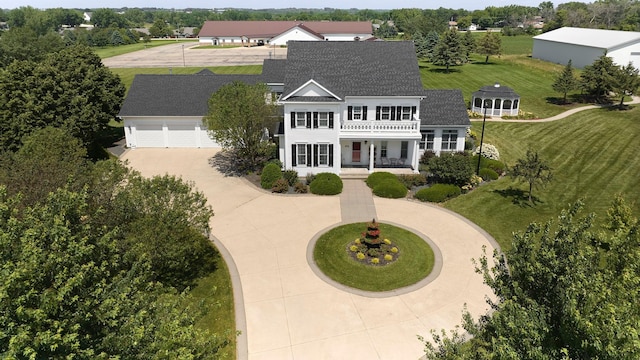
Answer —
286 311
187 54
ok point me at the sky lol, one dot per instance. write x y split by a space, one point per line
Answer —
277 4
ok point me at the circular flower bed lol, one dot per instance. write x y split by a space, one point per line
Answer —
402 260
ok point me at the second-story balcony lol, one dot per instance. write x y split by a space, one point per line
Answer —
380 128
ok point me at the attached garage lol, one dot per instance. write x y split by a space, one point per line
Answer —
166 110
168 133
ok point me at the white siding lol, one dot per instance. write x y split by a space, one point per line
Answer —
293 34
158 132
561 53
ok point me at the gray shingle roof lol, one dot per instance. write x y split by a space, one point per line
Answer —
497 90
354 68
443 107
273 70
176 95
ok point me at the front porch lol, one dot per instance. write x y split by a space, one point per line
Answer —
363 172
368 156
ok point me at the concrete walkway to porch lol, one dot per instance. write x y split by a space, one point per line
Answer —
356 201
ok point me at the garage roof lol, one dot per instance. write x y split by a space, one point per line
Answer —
598 38
176 95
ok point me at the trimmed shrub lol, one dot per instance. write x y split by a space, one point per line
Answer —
487 174
300 188
413 180
392 189
309 178
280 186
270 173
438 193
496 165
488 151
378 177
326 184
291 176
451 168
426 156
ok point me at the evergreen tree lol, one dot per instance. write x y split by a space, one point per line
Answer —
598 79
449 50
469 43
432 38
626 82
489 44
565 81
420 43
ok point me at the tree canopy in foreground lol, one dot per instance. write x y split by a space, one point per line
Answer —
568 291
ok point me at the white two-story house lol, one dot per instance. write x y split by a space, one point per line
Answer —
345 104
362 105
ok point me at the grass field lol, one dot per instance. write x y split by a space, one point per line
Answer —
594 156
127 74
109 51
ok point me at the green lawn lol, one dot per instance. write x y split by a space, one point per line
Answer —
594 155
215 293
415 262
127 74
109 51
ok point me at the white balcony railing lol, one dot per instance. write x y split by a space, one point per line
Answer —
380 126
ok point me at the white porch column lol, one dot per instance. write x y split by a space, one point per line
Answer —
416 161
371 157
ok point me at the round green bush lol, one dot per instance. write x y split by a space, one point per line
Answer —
487 174
326 184
495 165
392 189
378 177
270 174
438 193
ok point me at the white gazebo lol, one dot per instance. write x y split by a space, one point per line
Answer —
498 100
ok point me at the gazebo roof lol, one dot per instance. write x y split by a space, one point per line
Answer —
496 91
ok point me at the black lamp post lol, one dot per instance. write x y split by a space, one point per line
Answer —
484 120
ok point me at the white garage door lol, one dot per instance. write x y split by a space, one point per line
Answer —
181 135
149 135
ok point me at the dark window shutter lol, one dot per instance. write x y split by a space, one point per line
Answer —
293 120
393 113
315 155
293 155
377 112
315 120
309 120
330 154
308 154
413 112
364 113
330 120
349 112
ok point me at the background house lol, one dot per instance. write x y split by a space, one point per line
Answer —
280 32
583 46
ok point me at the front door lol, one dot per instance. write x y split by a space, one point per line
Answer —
355 153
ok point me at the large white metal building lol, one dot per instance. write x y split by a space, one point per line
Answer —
583 46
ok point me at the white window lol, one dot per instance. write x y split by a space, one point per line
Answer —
427 140
301 119
301 154
323 154
323 119
449 140
385 113
383 149
406 113
357 113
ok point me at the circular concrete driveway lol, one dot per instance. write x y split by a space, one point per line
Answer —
292 314
187 53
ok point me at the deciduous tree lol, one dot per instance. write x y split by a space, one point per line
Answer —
239 114
489 44
566 292
532 170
